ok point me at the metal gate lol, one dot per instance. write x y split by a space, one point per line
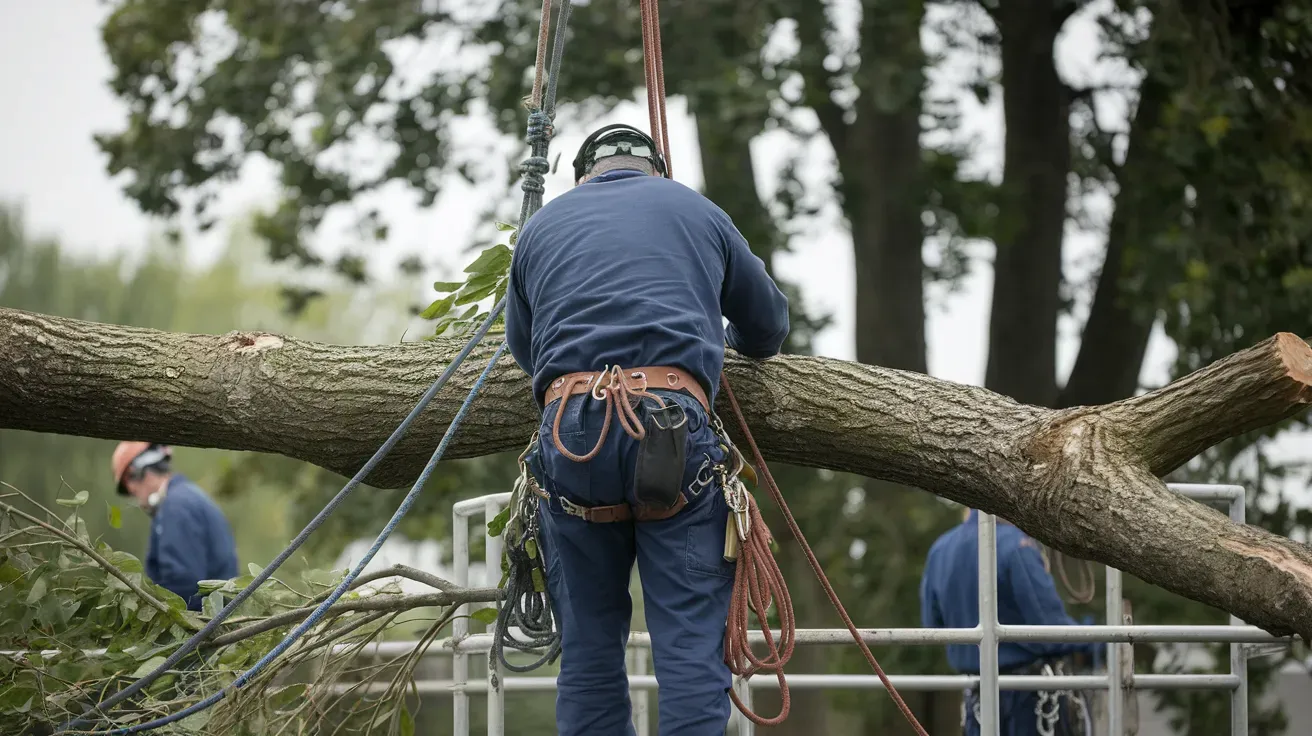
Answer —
987 635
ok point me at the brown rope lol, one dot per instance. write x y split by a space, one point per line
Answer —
654 73
757 585
620 399
758 582
738 634
541 64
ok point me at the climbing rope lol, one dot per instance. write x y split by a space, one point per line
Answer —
527 607
1080 593
737 634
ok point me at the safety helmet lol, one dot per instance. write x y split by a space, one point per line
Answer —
130 459
617 140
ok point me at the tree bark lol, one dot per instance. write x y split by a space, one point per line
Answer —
1083 480
1022 360
1115 337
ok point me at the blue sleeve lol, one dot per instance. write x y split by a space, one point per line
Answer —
757 310
1035 597
519 320
181 554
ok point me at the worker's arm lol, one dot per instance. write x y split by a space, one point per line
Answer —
519 321
757 310
180 553
1035 596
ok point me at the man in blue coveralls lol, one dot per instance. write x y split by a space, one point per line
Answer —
190 540
949 598
618 292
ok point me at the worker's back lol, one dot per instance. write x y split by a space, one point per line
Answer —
949 594
190 541
633 270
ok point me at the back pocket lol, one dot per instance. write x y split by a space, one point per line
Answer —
705 550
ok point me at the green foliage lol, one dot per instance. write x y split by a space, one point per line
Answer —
489 276
82 616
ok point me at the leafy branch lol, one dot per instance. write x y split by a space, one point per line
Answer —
489 275
108 566
78 621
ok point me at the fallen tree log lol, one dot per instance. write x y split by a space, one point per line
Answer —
1083 480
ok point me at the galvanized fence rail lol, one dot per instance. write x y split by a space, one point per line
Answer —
987 635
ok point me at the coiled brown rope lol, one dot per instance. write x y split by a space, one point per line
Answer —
752 584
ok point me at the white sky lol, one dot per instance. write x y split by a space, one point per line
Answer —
53 75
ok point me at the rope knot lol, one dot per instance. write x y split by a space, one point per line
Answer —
540 129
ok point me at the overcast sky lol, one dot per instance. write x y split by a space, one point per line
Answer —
54 93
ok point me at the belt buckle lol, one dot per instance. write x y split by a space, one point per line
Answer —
572 509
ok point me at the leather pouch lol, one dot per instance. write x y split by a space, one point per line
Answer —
658 475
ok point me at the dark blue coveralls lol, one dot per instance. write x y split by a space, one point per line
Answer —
190 541
949 598
635 270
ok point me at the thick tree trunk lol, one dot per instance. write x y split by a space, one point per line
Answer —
1115 337
1022 360
1085 480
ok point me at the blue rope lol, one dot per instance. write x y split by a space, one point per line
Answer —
318 613
141 683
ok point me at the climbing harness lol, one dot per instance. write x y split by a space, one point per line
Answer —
1048 709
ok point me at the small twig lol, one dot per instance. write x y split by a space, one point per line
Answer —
404 571
87 549
374 603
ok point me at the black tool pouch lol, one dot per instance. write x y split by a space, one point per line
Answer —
658 477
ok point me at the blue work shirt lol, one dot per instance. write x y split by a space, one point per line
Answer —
190 541
635 270
949 595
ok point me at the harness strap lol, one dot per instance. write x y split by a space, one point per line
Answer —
620 511
621 390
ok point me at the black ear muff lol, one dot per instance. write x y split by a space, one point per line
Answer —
584 159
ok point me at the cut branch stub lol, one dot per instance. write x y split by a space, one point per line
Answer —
1083 480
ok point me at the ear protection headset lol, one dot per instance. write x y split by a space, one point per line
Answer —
151 457
617 139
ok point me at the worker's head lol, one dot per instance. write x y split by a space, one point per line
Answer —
617 147
140 469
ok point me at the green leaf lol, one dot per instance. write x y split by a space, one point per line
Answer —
506 227
212 604
484 615
495 258
148 666
444 286
498 523
407 722
75 501
478 289
38 591
115 517
438 308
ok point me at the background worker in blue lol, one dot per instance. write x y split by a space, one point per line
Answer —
190 539
618 292
949 598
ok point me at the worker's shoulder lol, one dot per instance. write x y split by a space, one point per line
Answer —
1013 541
191 496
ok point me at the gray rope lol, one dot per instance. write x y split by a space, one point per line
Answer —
527 609
540 129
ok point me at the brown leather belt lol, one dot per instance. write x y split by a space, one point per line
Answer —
636 379
620 389
620 511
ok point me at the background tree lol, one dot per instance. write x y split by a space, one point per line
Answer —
1206 235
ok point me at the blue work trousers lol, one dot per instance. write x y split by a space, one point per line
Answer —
686 583
1018 716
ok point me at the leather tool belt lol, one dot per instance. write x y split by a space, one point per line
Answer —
622 390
